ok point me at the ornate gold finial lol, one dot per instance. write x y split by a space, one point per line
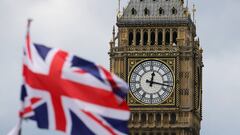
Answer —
119 6
119 9
113 33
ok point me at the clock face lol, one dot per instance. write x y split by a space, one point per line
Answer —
151 82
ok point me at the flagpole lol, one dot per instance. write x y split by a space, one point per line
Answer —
29 21
20 130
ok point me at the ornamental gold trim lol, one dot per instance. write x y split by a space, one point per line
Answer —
170 101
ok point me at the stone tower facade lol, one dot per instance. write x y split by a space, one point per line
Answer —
156 51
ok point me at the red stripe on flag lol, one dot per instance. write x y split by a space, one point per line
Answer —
71 89
80 71
57 87
99 122
35 100
25 111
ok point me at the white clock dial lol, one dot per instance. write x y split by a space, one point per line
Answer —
151 82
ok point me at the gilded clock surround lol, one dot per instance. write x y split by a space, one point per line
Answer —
171 99
166 37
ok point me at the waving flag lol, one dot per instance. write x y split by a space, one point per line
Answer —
70 94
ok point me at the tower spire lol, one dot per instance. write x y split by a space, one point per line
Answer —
113 33
119 6
119 9
194 11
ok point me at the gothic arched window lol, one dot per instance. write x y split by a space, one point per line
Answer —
134 12
135 117
165 118
173 118
146 11
160 38
150 118
152 38
161 11
174 11
143 118
158 117
167 36
130 38
145 38
138 38
175 34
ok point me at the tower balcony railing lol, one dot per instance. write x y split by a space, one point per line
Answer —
151 48
134 18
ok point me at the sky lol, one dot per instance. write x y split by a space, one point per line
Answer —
84 27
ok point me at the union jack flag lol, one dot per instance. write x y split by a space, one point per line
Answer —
70 94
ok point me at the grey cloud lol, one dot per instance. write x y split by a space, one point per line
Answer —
84 27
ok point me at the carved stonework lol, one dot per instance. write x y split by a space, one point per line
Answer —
151 38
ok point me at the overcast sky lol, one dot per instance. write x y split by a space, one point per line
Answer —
84 27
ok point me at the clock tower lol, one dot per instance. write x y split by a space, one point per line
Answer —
156 51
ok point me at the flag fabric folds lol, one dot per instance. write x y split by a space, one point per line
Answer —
70 94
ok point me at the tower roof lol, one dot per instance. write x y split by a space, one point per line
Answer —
140 12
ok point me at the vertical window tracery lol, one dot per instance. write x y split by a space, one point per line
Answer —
175 35
174 11
146 11
138 38
160 37
167 37
145 38
161 11
134 12
152 38
130 38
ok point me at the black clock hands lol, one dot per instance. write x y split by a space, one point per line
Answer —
151 82
162 84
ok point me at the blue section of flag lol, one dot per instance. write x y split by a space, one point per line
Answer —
118 92
118 124
41 116
23 93
78 127
87 66
38 111
42 50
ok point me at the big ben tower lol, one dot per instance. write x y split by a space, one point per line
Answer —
156 51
